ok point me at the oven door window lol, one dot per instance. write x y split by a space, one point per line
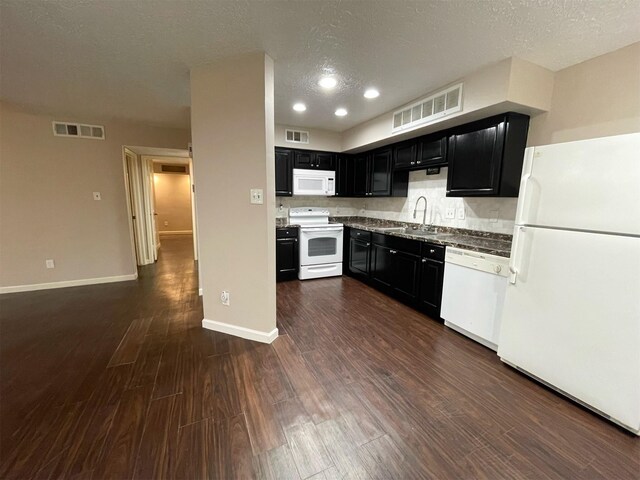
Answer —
323 246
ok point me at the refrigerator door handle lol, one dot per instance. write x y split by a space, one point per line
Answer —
514 263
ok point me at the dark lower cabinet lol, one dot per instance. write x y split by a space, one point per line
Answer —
408 270
431 277
287 259
359 253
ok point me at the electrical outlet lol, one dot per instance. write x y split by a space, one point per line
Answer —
257 196
460 213
450 213
166 223
50 263
97 196
494 215
225 298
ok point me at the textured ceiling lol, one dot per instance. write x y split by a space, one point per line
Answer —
131 59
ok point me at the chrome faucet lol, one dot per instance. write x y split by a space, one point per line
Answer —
424 214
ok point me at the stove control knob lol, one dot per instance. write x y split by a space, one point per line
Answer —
497 268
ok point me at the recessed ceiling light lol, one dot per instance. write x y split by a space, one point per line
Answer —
371 93
299 107
328 82
341 112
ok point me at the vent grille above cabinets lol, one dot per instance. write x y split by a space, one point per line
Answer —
296 136
428 109
78 130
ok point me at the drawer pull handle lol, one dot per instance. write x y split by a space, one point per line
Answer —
432 251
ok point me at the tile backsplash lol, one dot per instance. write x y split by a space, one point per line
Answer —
485 214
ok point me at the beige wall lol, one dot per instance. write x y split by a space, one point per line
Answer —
233 140
173 202
596 98
318 139
46 205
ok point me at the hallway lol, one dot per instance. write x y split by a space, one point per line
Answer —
120 381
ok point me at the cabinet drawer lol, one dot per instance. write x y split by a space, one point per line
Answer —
360 235
397 243
432 251
291 232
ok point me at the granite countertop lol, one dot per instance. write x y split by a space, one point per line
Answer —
474 240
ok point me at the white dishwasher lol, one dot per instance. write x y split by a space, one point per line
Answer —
473 294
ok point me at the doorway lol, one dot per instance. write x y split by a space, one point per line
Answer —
160 188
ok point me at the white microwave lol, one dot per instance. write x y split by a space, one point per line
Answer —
314 182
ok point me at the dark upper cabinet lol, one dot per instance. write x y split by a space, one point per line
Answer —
325 160
342 176
380 173
405 154
359 175
307 159
432 151
304 159
372 175
287 259
284 174
485 157
420 153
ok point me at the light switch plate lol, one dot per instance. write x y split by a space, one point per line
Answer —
50 263
97 196
257 197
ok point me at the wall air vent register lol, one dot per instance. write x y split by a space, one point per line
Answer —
78 130
296 136
431 108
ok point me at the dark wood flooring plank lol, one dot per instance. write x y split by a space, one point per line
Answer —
277 463
264 429
310 392
129 347
174 365
146 366
123 442
86 446
158 446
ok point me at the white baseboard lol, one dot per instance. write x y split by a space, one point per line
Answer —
175 232
242 332
67 283
200 292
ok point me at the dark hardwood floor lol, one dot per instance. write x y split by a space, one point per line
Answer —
120 381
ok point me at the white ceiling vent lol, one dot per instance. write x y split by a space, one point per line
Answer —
428 109
296 136
79 130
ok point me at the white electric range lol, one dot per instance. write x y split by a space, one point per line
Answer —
320 242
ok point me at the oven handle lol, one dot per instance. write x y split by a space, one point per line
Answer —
322 229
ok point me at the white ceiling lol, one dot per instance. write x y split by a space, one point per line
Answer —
131 59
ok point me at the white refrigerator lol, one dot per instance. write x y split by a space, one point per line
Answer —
571 317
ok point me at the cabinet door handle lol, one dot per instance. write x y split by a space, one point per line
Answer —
432 251
424 260
368 244
419 162
413 163
295 239
393 251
